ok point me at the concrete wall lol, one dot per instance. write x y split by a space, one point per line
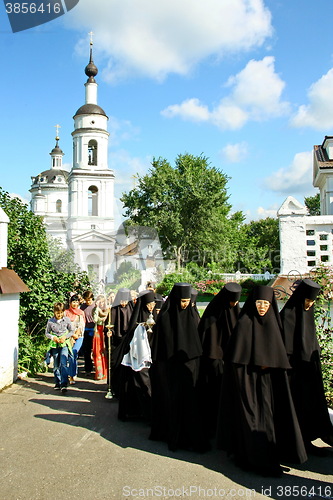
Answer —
9 313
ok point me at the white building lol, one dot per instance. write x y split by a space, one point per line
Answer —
307 241
10 288
78 206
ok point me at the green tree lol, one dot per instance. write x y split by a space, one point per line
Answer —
46 268
188 206
312 203
260 251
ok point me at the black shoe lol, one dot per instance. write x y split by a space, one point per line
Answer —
63 390
57 387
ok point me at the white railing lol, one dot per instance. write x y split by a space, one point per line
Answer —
238 276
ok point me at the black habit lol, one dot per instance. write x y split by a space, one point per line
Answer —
258 422
304 354
215 327
176 352
132 385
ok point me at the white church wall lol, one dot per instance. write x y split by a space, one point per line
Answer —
9 312
292 244
306 242
4 220
52 199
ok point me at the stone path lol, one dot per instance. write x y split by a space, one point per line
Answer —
74 447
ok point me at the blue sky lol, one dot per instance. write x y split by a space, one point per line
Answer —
248 83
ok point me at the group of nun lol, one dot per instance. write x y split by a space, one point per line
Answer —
248 380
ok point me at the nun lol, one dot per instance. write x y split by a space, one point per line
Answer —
258 423
305 376
121 312
176 351
215 328
131 361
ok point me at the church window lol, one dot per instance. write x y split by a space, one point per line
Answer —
324 258
92 201
92 152
310 242
310 232
323 248
323 236
311 253
58 206
311 263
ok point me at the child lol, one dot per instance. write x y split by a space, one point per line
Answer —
59 329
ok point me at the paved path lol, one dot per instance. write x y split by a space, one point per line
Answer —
73 447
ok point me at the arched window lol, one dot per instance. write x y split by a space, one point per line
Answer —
92 152
58 206
92 200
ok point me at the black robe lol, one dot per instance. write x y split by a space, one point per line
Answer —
258 422
215 327
176 352
304 354
132 388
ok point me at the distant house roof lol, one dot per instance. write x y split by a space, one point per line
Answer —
130 249
322 158
10 282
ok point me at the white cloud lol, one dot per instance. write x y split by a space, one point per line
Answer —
121 130
234 153
296 178
67 166
168 36
23 200
126 168
318 114
255 95
190 108
266 212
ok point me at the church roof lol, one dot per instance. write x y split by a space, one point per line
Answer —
10 282
49 176
90 109
322 157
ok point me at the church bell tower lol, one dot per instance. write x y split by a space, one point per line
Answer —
91 184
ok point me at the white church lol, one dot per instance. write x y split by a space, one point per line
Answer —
78 206
307 241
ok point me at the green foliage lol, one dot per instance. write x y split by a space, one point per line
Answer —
32 350
45 267
187 205
165 286
260 251
324 277
126 276
312 203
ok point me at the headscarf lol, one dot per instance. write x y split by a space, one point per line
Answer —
122 295
298 324
175 331
72 312
219 320
257 340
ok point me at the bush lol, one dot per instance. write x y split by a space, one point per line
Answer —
165 287
324 277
